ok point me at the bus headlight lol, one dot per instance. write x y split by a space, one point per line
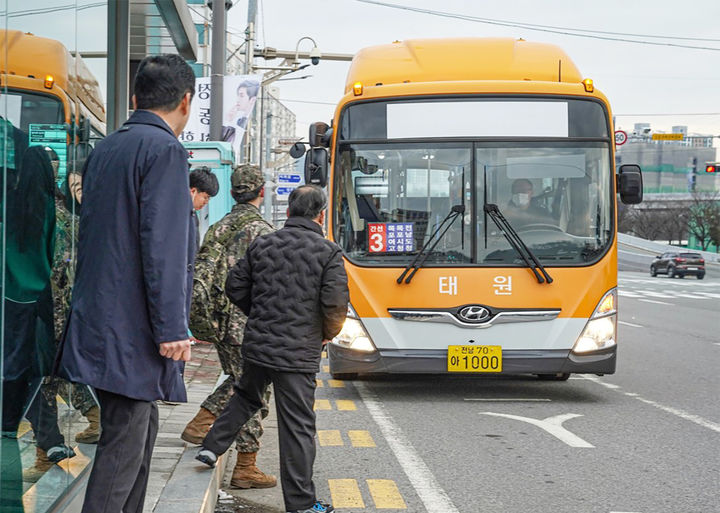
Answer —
353 335
599 332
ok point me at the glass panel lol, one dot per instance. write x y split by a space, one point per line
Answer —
390 199
474 117
556 196
49 103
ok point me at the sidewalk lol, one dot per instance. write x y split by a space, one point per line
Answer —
178 483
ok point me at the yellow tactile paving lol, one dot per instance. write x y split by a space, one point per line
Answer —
385 494
336 383
319 383
361 439
329 437
345 493
324 354
322 404
345 405
326 368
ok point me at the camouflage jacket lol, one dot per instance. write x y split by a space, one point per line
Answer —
212 317
63 270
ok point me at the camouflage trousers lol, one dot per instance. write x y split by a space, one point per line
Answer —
72 393
248 439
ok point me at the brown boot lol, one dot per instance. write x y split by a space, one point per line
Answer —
42 465
91 434
198 427
247 475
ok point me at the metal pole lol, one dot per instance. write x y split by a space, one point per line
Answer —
118 63
217 66
249 56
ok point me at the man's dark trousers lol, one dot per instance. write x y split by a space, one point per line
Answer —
119 477
294 398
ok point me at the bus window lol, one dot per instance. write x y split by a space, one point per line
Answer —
554 195
392 197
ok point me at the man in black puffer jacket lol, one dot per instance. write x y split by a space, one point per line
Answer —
292 286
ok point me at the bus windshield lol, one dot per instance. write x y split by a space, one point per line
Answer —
389 197
31 119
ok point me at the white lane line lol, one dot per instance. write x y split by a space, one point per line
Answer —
597 380
655 294
421 478
697 419
552 425
656 302
625 293
709 294
716 343
508 400
630 324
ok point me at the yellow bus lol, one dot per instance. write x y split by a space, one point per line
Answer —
47 97
472 189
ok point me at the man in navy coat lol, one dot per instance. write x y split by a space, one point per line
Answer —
127 333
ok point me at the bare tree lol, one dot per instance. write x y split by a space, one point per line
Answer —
676 221
704 217
647 223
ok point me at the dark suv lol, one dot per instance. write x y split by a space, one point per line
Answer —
676 264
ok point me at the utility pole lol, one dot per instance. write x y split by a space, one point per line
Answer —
217 65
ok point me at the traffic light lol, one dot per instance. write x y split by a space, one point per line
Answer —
712 167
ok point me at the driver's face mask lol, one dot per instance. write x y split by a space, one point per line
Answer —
521 199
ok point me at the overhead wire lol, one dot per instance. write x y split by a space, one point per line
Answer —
543 28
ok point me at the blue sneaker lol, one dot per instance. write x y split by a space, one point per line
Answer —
318 507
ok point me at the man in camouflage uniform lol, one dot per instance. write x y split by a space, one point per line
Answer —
215 319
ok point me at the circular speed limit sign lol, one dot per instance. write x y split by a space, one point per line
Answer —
620 137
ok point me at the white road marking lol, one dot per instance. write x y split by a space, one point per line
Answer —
508 400
655 294
716 343
630 324
433 497
710 294
597 380
656 302
625 293
697 419
552 425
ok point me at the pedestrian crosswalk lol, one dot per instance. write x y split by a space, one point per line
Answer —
663 289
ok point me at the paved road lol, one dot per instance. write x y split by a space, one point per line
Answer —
642 440
633 258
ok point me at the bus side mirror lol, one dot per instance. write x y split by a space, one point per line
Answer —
630 184
316 167
319 134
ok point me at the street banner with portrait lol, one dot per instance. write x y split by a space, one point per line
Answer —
240 94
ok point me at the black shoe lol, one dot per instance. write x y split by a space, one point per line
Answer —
59 452
318 507
208 457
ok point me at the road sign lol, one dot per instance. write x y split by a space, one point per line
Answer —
620 137
667 137
283 192
289 178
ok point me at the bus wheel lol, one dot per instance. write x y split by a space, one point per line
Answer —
345 376
560 376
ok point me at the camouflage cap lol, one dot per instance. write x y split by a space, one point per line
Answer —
246 178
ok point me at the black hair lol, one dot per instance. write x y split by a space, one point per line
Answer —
32 204
246 196
204 180
162 81
307 201
251 86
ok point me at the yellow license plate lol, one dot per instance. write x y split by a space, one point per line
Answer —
474 359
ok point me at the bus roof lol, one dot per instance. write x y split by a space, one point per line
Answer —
25 54
459 59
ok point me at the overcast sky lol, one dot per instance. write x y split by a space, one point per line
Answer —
649 80
645 83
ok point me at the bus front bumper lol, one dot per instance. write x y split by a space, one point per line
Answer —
399 361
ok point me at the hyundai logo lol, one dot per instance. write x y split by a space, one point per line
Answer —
474 313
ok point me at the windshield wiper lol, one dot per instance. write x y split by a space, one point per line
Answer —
516 242
417 262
